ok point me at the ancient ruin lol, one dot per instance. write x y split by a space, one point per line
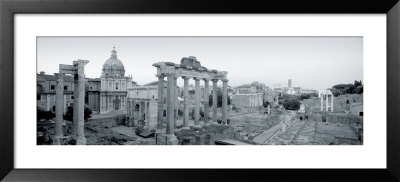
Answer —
189 104
78 71
188 68
325 95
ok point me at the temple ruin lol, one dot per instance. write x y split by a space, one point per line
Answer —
325 95
189 68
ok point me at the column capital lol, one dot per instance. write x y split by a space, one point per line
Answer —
206 79
214 80
224 80
196 78
186 77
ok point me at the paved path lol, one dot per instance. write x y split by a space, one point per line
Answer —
267 134
234 116
264 136
128 131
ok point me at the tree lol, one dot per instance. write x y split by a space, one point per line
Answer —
70 112
305 96
46 115
357 83
291 104
350 90
342 86
335 92
219 97
347 88
266 103
359 90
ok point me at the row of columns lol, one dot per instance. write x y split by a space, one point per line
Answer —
172 101
326 97
78 106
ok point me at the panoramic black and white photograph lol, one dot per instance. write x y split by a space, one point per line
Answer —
199 90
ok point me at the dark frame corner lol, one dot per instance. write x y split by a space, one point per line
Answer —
8 8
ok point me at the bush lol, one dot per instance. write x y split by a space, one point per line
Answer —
70 112
44 114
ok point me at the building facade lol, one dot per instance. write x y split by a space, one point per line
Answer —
113 85
142 105
253 95
46 92
248 100
92 95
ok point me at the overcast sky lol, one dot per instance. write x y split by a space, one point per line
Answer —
311 62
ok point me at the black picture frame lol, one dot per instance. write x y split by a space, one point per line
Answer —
8 8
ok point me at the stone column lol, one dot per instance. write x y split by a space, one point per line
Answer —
206 100
128 109
224 100
186 102
146 121
327 102
215 99
160 100
65 104
58 130
175 102
322 102
170 104
197 102
79 101
140 111
332 103
48 102
132 109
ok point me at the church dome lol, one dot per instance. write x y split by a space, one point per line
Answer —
113 67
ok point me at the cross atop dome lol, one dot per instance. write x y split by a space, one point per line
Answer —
113 52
